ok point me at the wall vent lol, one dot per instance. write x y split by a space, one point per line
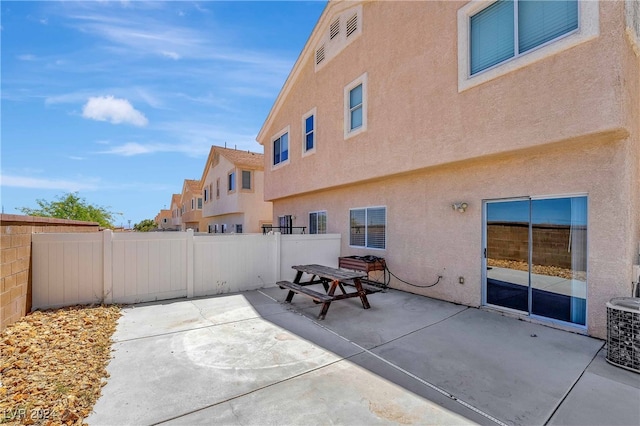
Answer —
320 54
352 24
334 29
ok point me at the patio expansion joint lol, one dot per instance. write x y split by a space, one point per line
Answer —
573 385
247 393
408 373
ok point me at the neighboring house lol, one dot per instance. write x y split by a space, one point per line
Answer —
163 220
191 205
176 212
232 187
436 136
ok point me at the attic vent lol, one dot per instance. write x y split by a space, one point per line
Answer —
334 29
320 54
352 24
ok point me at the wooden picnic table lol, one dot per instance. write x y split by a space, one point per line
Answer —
331 279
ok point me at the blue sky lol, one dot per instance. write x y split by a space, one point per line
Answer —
121 101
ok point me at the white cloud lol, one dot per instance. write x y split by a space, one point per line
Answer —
172 55
114 110
130 149
35 183
27 57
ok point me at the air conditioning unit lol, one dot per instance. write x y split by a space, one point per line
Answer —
623 332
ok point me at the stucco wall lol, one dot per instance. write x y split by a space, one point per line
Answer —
15 243
427 238
566 124
417 118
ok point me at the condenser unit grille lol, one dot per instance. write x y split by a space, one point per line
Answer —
623 332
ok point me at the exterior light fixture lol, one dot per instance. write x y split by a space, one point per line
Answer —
461 207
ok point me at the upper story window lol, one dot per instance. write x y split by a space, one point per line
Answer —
281 148
206 194
199 203
318 222
218 188
309 132
509 28
193 204
495 38
368 227
355 106
231 181
246 179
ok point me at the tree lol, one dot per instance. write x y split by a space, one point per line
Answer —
145 226
72 206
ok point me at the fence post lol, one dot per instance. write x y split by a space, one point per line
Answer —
107 266
190 264
278 237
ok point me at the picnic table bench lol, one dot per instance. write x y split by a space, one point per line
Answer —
331 279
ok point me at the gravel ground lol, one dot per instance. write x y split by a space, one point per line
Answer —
554 271
53 365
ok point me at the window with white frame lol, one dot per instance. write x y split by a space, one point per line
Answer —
368 227
193 204
206 195
281 148
199 203
246 179
309 132
495 38
355 106
218 188
231 186
318 222
238 228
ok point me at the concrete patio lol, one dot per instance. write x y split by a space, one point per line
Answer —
247 358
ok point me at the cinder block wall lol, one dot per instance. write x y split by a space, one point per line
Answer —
15 264
510 241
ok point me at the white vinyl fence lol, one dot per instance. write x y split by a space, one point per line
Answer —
138 267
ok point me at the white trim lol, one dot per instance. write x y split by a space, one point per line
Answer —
348 132
588 29
272 140
317 212
386 226
308 114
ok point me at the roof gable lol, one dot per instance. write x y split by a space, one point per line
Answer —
249 159
322 30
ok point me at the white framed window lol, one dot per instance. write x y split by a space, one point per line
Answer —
231 181
318 222
280 148
496 38
193 204
206 194
199 203
368 227
355 107
309 130
238 228
218 188
246 179
224 228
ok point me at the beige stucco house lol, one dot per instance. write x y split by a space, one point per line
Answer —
163 220
176 212
503 165
191 205
232 187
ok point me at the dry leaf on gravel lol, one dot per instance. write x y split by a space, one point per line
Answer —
53 365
